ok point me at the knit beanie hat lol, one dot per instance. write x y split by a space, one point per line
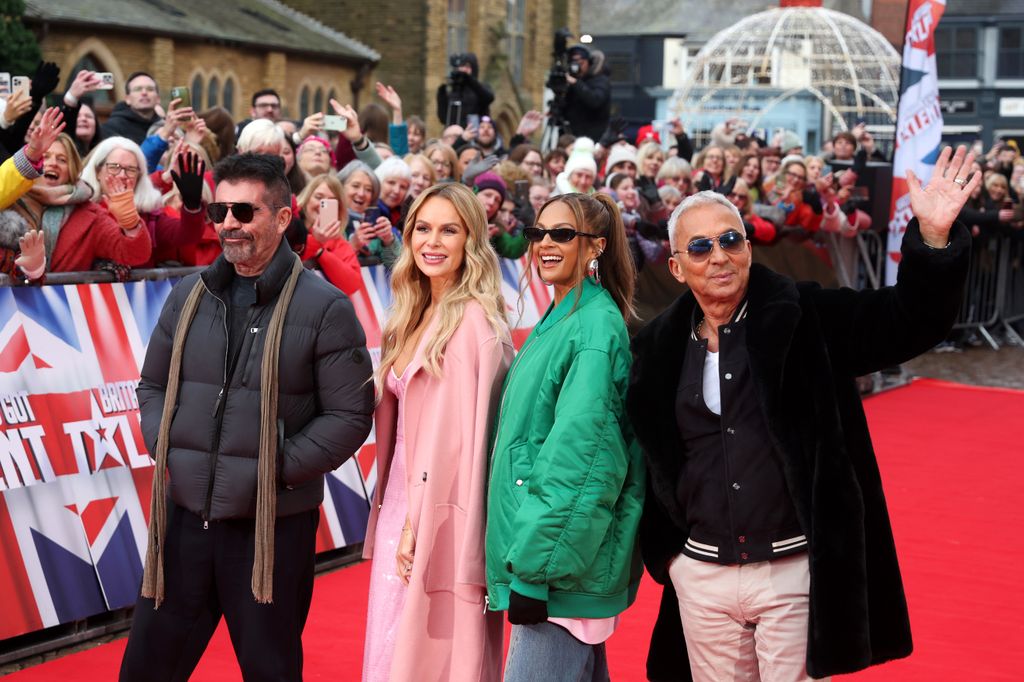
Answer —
790 141
313 139
493 181
582 157
620 153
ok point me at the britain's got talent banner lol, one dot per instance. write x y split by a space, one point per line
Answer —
75 476
918 120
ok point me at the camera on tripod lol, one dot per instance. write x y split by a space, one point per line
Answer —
556 82
457 60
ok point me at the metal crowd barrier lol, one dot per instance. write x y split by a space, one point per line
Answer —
859 262
1013 298
994 295
100 276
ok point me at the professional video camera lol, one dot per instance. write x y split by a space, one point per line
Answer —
556 82
455 76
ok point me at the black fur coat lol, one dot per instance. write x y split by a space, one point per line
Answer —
806 345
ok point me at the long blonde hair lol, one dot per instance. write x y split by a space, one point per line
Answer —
479 280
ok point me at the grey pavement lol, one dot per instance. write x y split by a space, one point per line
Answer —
977 366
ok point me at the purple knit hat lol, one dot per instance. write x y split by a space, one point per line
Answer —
493 181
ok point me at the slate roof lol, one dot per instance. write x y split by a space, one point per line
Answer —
263 23
698 20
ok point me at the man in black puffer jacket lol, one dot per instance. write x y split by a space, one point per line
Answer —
214 453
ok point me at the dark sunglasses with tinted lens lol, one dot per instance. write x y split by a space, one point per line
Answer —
243 211
561 235
731 242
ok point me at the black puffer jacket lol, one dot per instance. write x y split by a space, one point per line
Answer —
325 402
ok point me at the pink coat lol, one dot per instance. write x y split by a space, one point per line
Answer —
446 632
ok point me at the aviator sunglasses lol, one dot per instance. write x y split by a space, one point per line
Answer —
561 235
242 210
731 242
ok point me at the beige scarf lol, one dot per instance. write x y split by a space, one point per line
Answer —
266 485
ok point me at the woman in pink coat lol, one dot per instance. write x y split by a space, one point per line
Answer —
444 355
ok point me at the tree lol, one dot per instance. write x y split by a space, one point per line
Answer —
19 51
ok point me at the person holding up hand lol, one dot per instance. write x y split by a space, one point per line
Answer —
353 143
22 250
12 136
327 249
77 108
369 232
751 368
116 172
155 145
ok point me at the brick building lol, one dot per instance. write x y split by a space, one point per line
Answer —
223 51
511 38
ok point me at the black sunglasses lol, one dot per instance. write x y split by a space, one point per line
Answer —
561 235
242 210
731 242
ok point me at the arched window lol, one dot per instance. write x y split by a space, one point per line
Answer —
318 100
516 24
458 27
213 92
304 102
229 95
197 92
333 94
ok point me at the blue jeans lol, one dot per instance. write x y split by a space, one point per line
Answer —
548 653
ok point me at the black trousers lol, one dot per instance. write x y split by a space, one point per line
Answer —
208 574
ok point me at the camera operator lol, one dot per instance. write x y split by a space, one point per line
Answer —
588 101
463 95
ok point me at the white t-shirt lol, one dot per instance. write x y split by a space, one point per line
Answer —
712 387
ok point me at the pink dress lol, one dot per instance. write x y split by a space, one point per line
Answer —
387 592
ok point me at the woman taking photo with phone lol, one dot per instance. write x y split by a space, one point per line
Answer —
369 232
322 211
444 353
567 483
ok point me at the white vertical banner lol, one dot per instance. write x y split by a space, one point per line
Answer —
918 121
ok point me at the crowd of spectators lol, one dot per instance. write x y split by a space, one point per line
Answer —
131 192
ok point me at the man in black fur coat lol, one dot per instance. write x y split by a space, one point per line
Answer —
765 518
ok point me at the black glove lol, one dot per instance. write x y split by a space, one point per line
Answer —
616 132
45 81
649 191
526 611
190 182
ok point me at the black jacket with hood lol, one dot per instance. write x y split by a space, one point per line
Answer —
588 102
476 97
124 122
325 402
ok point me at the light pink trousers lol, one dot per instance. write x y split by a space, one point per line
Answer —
746 623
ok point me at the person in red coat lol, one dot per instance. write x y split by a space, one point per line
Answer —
326 245
116 172
77 232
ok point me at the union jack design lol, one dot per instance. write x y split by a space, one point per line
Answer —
75 475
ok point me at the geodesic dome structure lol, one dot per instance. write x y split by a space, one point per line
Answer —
769 57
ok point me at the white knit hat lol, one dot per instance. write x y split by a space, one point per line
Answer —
620 153
582 157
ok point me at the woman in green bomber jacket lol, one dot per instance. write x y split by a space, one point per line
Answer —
567 478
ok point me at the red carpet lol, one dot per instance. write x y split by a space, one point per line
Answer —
951 461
